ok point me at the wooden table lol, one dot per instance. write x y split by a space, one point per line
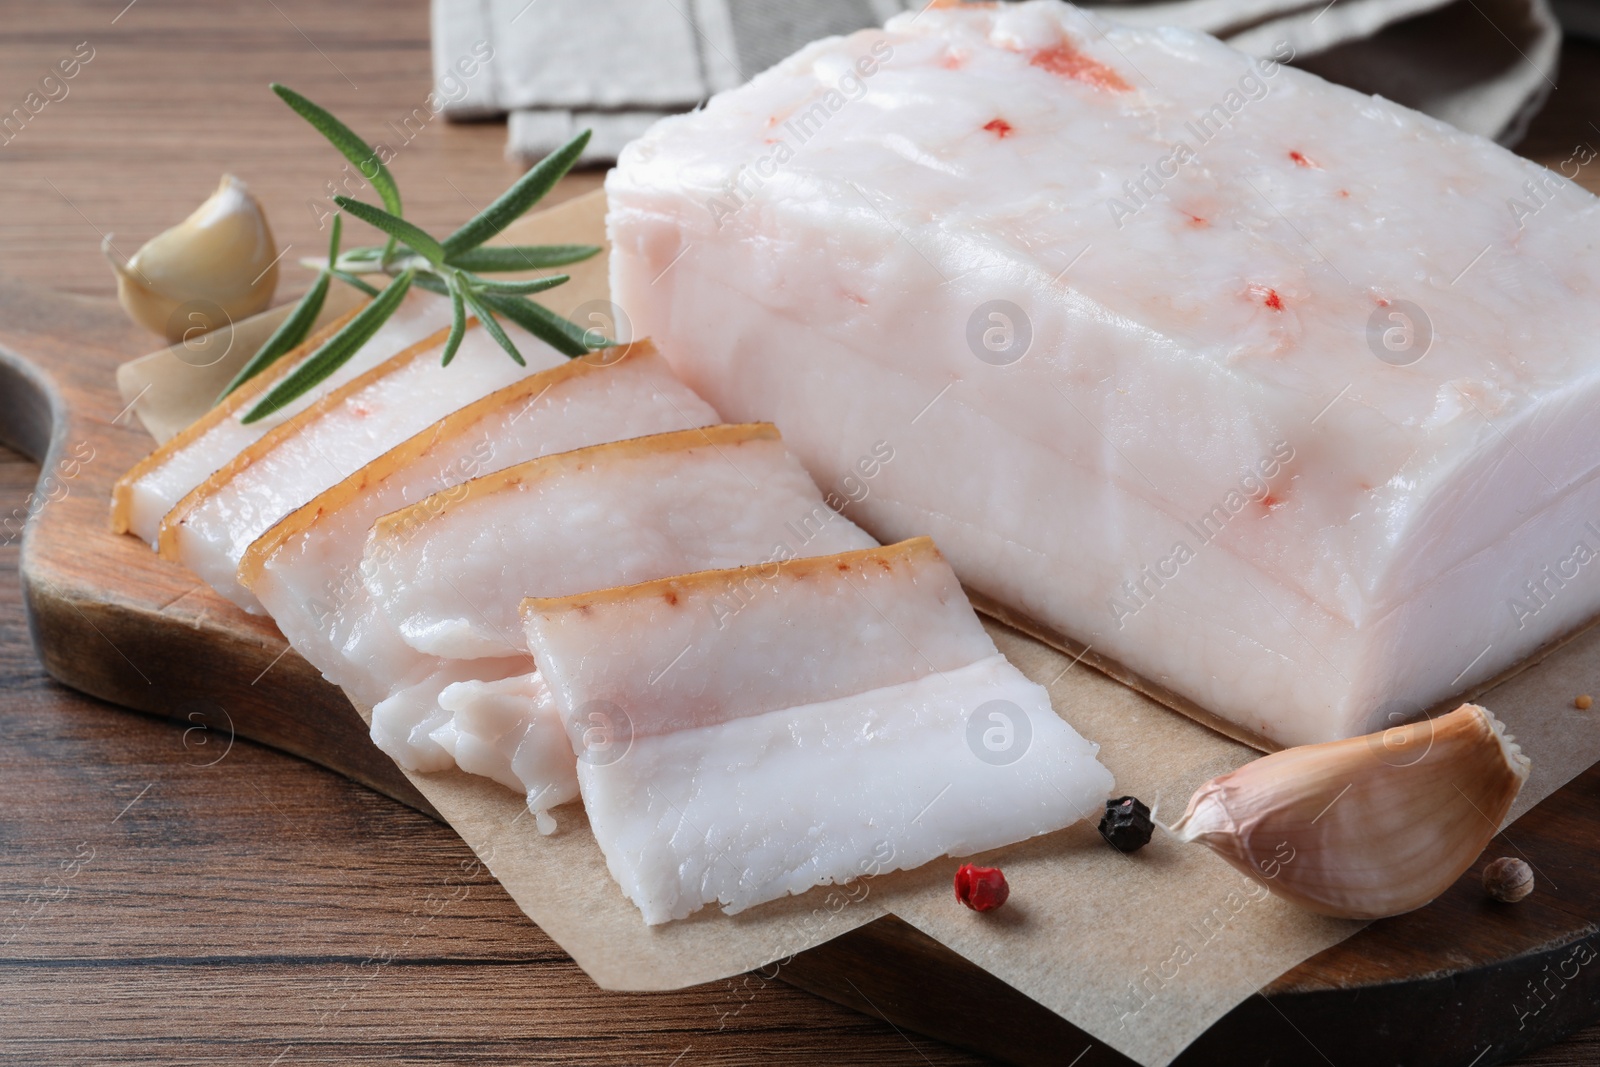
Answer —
165 897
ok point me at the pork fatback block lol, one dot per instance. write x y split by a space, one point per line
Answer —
1278 395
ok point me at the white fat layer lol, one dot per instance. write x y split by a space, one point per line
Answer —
404 720
623 517
762 806
508 730
156 492
745 642
312 585
326 447
453 586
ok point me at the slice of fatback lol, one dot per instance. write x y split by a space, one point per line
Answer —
143 496
508 730
455 567
403 721
451 571
210 528
749 733
306 570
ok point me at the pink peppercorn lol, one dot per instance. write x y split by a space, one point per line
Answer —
981 888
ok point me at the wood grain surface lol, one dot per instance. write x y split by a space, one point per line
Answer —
166 897
112 620
161 904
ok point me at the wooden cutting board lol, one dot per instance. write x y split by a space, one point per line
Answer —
1460 982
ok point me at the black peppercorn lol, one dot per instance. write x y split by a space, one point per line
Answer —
1126 824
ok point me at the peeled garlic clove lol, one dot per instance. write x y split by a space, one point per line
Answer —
1366 827
218 265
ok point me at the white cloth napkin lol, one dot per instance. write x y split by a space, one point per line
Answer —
616 66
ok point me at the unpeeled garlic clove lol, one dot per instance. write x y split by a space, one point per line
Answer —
218 265
1370 826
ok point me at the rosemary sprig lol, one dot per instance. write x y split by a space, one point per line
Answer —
357 151
354 282
489 322
450 267
292 330
396 227
564 336
522 288
336 352
521 257
353 148
458 323
512 204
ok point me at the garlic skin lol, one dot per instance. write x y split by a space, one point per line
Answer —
222 259
1366 827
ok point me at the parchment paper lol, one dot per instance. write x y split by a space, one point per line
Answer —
1144 952
171 388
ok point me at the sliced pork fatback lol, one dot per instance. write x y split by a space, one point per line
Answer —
1278 394
143 496
748 733
210 529
508 730
450 572
404 722
306 569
